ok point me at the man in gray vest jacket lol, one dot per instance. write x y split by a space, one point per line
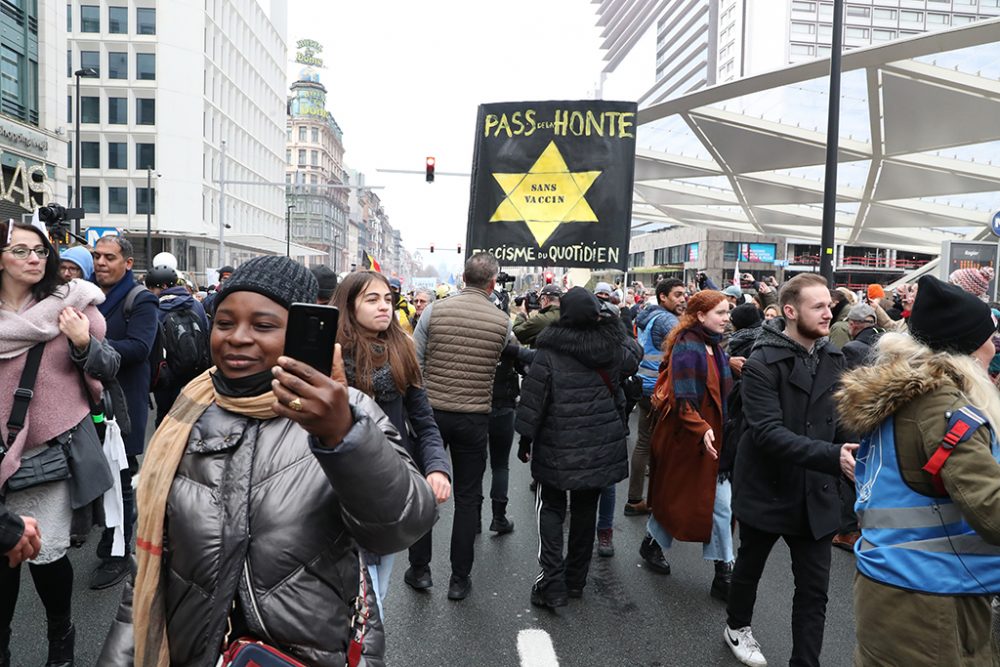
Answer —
459 341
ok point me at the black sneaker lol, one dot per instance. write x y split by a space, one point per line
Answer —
501 525
653 555
459 587
575 593
540 599
111 572
418 578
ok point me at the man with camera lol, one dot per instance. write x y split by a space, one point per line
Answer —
533 323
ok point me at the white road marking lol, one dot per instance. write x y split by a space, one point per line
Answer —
536 650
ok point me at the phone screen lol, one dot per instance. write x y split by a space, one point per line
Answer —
311 334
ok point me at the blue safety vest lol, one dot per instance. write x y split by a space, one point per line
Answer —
649 367
913 541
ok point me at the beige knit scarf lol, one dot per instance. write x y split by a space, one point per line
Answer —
158 469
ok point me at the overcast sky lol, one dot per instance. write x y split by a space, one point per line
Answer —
404 80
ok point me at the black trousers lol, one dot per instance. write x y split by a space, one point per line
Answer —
501 440
128 503
848 496
54 583
811 572
465 435
558 572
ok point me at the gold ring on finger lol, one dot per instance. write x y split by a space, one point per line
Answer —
295 404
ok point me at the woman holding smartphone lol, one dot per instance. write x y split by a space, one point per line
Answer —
258 491
380 360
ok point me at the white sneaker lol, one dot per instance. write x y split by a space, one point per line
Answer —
744 646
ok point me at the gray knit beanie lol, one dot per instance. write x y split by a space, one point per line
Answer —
280 279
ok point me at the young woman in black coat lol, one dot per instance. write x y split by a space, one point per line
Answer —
572 425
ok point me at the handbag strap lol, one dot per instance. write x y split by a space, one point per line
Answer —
22 397
359 622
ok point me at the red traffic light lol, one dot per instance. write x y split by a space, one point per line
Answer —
430 169
549 277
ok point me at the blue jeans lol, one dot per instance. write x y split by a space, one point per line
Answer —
380 575
606 509
720 546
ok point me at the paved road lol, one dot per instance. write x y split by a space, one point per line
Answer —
628 615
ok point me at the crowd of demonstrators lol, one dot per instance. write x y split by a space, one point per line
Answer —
528 325
572 424
689 491
843 300
52 348
261 421
380 361
459 341
131 313
928 480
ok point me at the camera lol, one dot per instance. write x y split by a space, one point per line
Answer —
504 279
529 300
55 216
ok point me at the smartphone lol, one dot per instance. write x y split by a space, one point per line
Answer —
311 334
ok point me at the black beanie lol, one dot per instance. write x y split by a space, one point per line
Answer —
947 318
327 280
745 316
578 307
280 279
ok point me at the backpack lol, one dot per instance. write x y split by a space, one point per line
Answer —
156 355
185 344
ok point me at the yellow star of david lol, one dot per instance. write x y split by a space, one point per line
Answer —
548 195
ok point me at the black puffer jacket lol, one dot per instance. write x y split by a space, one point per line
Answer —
581 441
258 513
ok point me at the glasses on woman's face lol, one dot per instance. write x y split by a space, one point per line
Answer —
22 251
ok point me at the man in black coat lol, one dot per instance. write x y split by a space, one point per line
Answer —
788 462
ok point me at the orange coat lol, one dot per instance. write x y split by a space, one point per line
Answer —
682 475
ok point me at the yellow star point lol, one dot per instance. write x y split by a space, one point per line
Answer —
545 197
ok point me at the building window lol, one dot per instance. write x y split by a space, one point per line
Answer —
145 199
302 157
118 20
883 35
117 200
145 66
10 76
90 20
801 6
69 62
145 156
315 135
90 110
90 59
117 65
117 111
857 33
302 132
802 49
288 157
91 197
858 12
803 28
145 111
959 19
90 154
69 18
938 19
911 17
314 158
117 155
145 21
885 14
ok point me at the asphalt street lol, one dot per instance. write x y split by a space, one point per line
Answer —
628 616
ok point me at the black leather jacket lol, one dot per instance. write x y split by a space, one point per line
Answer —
259 512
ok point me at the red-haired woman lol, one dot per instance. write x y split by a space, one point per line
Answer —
688 491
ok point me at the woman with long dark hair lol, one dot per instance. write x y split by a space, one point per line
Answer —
381 361
689 493
41 315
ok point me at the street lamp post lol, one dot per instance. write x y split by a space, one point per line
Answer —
828 230
288 230
149 218
88 72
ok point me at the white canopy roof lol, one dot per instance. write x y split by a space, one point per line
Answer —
919 129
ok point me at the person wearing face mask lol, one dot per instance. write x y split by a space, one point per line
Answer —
688 492
928 485
380 360
261 486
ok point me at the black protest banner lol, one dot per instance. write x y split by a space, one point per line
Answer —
552 183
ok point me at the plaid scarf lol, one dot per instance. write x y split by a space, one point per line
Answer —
689 367
158 469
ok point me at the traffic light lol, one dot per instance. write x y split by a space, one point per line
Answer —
430 169
432 246
459 249
549 277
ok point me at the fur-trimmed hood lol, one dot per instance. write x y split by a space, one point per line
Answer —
870 394
595 346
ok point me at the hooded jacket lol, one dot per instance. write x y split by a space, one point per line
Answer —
917 395
573 418
788 458
258 513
